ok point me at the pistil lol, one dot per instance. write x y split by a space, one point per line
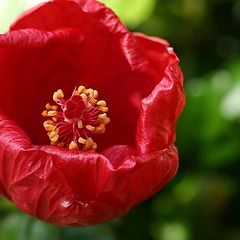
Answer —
71 123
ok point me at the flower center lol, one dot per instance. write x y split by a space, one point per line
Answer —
71 122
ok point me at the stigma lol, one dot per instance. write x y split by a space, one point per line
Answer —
72 123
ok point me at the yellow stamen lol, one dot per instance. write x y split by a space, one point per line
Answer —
101 103
73 146
80 124
48 125
100 128
58 95
52 113
90 128
88 145
95 93
84 96
103 109
82 140
51 107
72 125
106 120
45 113
93 101
102 116
89 92
53 136
81 89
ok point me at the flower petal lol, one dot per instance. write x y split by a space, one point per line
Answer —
107 59
160 110
33 64
64 187
33 38
63 44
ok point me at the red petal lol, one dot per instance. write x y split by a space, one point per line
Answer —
70 187
65 187
33 65
107 60
160 110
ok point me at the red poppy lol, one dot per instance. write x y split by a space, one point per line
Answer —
64 44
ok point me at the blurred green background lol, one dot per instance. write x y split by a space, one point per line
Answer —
203 201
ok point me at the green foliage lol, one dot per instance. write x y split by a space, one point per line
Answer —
132 12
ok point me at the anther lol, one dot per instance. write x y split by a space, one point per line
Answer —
89 92
95 93
103 109
51 107
101 103
100 128
84 96
53 136
45 113
106 120
82 140
81 89
73 146
90 128
80 124
71 122
102 116
52 113
58 95
89 143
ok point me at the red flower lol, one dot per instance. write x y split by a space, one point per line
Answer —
63 44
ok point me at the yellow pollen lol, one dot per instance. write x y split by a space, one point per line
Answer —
89 92
80 124
73 146
51 107
53 136
90 128
106 120
81 89
100 128
95 93
72 122
84 96
58 95
103 109
52 113
101 103
48 125
102 116
82 140
89 143
45 113
93 101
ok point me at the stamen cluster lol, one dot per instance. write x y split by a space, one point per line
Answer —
71 122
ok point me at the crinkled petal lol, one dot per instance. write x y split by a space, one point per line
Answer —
33 63
107 59
71 188
63 44
33 38
161 109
